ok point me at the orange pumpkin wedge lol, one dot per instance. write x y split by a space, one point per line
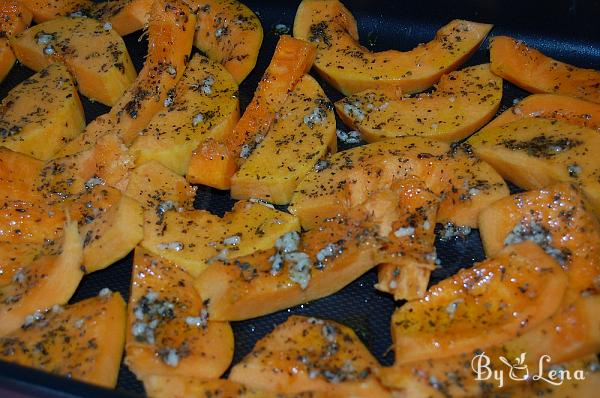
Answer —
14 255
170 35
125 16
83 341
462 102
18 174
535 72
45 10
169 332
307 354
492 302
300 137
30 222
468 184
204 104
40 129
47 281
299 268
534 153
351 68
97 57
214 162
14 18
552 106
7 58
228 32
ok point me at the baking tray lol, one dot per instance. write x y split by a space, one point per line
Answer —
567 30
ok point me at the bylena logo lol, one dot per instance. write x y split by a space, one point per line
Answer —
518 370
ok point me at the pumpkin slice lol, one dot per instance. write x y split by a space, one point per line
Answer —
300 268
204 104
45 10
193 239
169 332
295 143
467 183
170 35
124 16
504 296
556 217
535 72
552 106
107 163
229 33
410 251
308 354
41 128
14 18
83 341
18 173
30 222
462 102
188 387
215 161
14 255
534 153
48 280
351 68
110 224
96 56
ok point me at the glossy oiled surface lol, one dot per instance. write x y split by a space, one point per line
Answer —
563 29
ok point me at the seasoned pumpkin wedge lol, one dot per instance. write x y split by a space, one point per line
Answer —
169 332
535 72
300 268
462 102
14 18
410 253
229 33
107 163
83 341
110 223
298 139
351 68
534 153
204 104
193 239
467 183
14 255
45 10
552 106
494 301
30 222
97 57
170 35
48 280
40 128
125 16
308 354
215 161
18 173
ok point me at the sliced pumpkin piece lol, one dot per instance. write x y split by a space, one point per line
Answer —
308 354
124 16
18 173
194 239
170 35
96 56
229 33
504 296
204 104
45 10
110 224
467 183
351 68
410 251
535 72
14 255
30 222
107 163
462 102
83 341
169 332
14 18
215 161
298 139
47 281
534 153
40 128
552 106
299 268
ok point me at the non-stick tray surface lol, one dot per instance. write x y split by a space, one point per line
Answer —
567 30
